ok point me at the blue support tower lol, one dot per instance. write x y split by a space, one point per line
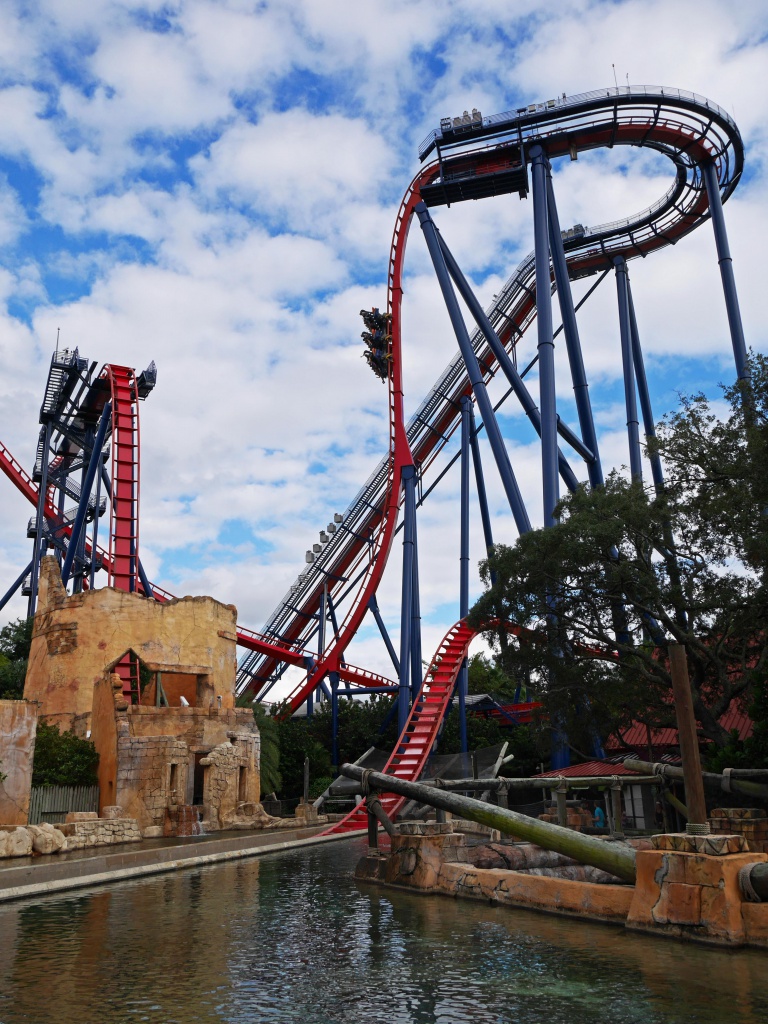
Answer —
726 270
495 439
649 425
463 681
406 609
40 545
85 493
572 340
630 393
510 372
416 666
546 341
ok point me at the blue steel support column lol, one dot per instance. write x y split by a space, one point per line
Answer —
630 395
482 497
85 493
374 608
14 587
60 510
546 341
726 269
649 425
416 666
463 681
572 340
495 439
334 676
406 607
148 591
95 537
510 372
77 586
321 621
39 524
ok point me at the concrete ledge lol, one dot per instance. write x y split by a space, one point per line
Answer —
40 879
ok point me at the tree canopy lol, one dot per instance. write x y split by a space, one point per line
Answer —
628 569
15 641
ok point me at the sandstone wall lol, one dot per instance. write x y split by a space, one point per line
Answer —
77 639
18 727
147 759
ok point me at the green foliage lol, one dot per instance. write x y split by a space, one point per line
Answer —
15 641
297 742
271 779
359 725
63 759
319 785
12 676
749 753
626 570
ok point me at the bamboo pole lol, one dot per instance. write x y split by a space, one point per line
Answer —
739 785
616 858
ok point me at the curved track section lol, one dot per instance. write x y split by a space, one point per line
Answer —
688 129
423 726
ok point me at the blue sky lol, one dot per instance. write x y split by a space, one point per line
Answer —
213 185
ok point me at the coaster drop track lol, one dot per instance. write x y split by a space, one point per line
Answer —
476 158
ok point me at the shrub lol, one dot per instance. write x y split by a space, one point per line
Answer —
63 759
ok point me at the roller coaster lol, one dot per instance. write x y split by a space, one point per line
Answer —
470 157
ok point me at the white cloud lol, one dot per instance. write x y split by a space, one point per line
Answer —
254 157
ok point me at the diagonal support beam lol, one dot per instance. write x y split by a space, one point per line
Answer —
500 454
509 370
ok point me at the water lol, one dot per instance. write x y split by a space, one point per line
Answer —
292 938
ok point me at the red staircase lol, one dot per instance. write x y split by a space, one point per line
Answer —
421 730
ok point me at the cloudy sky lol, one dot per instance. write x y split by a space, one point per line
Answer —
212 184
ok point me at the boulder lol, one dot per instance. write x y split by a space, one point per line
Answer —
112 811
18 843
46 839
80 816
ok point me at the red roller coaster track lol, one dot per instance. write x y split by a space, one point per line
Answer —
688 129
423 726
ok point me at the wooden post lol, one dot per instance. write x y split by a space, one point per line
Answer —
561 794
306 780
689 744
373 833
618 828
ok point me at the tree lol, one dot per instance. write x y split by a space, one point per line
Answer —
269 756
15 642
16 639
626 570
63 759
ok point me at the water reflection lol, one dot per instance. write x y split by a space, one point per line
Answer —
291 937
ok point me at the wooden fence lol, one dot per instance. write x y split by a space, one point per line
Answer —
52 803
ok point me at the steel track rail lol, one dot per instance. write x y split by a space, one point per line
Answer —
688 129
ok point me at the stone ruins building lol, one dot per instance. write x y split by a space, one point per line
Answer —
176 749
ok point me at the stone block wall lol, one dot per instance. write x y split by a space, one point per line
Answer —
688 887
749 822
226 800
100 832
143 783
77 639
578 818
18 728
